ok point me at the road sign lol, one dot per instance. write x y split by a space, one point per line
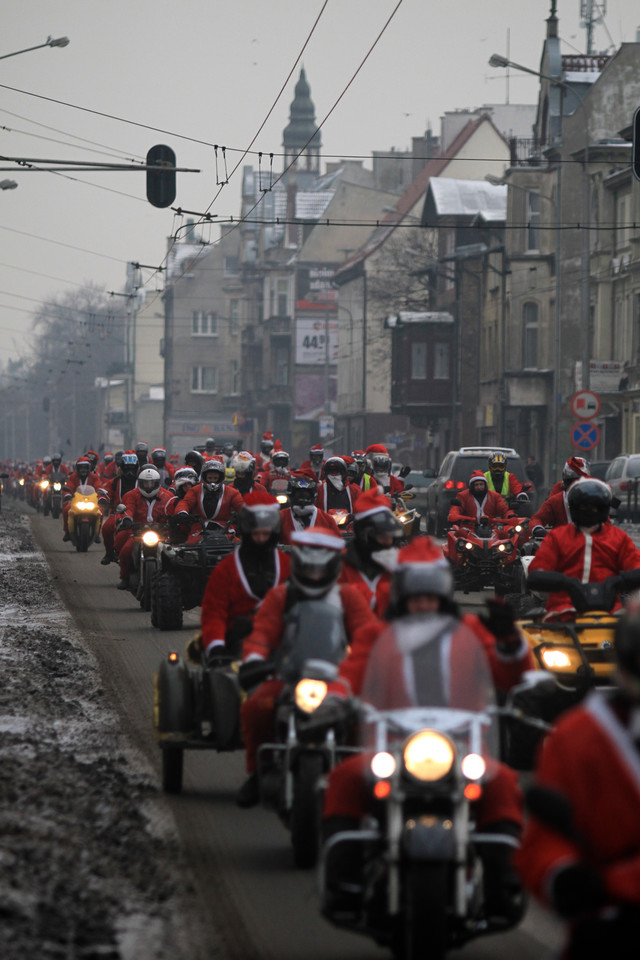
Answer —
585 435
585 404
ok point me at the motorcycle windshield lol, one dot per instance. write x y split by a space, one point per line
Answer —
314 630
85 489
433 671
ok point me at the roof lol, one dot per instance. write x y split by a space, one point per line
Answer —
413 316
468 198
432 169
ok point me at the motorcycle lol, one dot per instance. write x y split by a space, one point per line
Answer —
344 522
145 559
53 495
194 708
290 768
572 656
40 495
408 516
416 878
280 490
84 517
487 554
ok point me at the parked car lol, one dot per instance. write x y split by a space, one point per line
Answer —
598 468
418 481
453 476
623 476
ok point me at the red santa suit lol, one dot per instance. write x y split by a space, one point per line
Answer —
554 512
318 519
352 492
591 758
140 510
590 557
229 503
229 596
470 509
257 711
111 493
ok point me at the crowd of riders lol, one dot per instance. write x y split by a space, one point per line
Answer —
403 632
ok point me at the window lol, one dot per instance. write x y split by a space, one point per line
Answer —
441 361
234 377
231 266
281 361
530 335
204 324
234 316
623 230
204 380
282 294
533 220
418 361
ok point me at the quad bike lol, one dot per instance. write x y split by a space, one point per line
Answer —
486 554
196 707
84 517
184 568
572 657
408 516
344 522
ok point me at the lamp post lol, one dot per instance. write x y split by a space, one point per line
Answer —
496 60
8 184
50 42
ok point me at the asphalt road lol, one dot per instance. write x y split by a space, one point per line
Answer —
259 906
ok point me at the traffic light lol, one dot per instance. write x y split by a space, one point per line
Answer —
161 183
635 153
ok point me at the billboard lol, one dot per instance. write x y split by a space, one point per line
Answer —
311 335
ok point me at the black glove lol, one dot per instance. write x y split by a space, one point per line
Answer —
125 523
253 672
577 889
405 471
538 532
501 622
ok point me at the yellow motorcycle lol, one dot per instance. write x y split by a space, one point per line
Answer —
84 517
572 657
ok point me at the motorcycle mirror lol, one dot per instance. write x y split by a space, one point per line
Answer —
121 508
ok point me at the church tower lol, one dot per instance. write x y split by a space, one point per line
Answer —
300 136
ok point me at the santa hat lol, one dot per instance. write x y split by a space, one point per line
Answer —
277 446
422 550
477 475
260 498
313 538
578 465
370 502
376 448
317 448
268 435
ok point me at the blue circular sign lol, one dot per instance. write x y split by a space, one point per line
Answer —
585 435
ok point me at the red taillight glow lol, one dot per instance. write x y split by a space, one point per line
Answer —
473 791
448 485
460 485
624 485
173 657
382 789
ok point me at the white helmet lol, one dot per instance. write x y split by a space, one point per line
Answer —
149 482
185 476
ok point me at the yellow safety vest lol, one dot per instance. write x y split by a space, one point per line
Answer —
505 484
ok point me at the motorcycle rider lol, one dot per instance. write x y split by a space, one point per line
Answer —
477 502
379 471
316 560
194 459
499 479
554 512
279 469
580 465
238 583
372 554
335 492
584 861
159 461
142 453
302 513
111 495
411 661
263 460
112 466
183 480
146 503
211 499
359 458
315 463
81 476
209 448
244 464
589 548
56 466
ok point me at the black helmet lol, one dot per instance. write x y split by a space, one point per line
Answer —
194 459
210 445
159 456
373 530
316 561
213 475
497 463
302 491
627 645
589 501
335 466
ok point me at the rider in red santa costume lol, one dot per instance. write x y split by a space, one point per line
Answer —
478 501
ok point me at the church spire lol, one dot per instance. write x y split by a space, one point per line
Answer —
301 136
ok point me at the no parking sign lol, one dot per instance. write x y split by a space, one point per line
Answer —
585 435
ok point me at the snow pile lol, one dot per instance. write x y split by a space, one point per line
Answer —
90 865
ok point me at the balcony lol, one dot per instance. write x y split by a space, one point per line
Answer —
527 152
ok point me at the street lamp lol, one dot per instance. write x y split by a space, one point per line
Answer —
498 181
50 42
8 184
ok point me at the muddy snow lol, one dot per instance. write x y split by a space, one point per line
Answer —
90 865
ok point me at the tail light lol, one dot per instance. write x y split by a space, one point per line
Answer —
449 485
460 485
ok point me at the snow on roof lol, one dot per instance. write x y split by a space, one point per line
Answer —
468 198
179 254
414 316
582 76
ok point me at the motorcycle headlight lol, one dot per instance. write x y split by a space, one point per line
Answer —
44 484
505 548
86 505
282 498
468 545
21 482
518 528
57 486
428 755
383 765
150 538
309 694
461 545
473 766
341 519
556 659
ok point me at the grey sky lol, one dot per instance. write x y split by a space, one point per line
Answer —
211 70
